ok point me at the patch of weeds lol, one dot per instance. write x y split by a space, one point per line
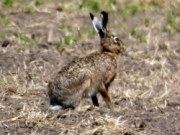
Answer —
79 32
172 20
146 21
135 76
5 21
91 32
130 9
152 4
58 45
69 39
133 8
38 3
28 10
53 112
35 75
94 5
121 28
136 33
176 7
3 83
69 36
23 40
2 36
8 3
169 29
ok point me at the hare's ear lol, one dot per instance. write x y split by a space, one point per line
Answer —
104 16
97 25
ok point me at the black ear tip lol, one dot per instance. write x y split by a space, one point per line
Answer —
104 13
91 15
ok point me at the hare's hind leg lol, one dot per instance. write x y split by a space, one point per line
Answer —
104 93
94 100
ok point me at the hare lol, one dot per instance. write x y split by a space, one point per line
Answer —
89 75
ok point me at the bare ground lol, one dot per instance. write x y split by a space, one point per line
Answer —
145 94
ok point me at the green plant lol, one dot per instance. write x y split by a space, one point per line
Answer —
169 29
136 33
35 75
121 27
28 10
92 5
4 83
58 45
8 3
69 39
38 2
172 19
5 21
2 36
129 9
132 9
146 21
91 32
23 40
135 75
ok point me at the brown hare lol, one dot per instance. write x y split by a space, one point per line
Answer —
89 75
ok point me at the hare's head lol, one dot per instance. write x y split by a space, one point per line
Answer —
109 42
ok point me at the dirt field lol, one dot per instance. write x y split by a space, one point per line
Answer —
39 37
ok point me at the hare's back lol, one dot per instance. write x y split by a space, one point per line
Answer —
96 65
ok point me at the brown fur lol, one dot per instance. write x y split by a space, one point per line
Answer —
87 76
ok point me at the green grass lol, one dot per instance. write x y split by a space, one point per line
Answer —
69 39
129 9
136 33
23 39
173 24
5 21
28 10
169 29
146 21
2 36
91 32
132 9
8 3
121 28
58 45
94 5
173 21
3 83
38 3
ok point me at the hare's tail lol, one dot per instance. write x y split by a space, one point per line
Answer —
55 107
54 104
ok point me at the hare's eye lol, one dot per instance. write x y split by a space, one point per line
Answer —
116 39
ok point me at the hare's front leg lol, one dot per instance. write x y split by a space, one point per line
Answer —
104 93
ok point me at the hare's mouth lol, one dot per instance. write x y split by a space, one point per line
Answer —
122 49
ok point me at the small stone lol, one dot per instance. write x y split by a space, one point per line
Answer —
173 102
5 43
